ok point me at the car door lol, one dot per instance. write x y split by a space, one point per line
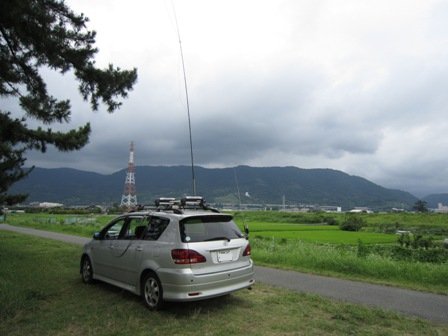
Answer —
127 250
106 247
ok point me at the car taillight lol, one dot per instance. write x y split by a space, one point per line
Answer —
247 251
186 256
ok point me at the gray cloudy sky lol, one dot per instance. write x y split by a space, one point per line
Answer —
358 86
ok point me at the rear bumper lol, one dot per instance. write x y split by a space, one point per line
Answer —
183 285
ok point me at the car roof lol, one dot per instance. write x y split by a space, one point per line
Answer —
179 215
178 208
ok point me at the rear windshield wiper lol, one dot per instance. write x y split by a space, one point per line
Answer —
218 238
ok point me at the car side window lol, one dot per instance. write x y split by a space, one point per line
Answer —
136 228
156 227
113 230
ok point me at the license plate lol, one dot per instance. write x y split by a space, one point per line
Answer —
224 256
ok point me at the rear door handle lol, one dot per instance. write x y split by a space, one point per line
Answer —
139 248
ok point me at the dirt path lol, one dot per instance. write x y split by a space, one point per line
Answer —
424 305
46 234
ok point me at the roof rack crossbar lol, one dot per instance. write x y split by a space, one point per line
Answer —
187 202
165 201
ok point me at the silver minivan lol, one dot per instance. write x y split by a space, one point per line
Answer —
180 251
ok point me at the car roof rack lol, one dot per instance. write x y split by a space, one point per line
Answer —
168 204
185 203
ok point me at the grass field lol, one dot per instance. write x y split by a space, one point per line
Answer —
86 225
41 294
318 233
348 262
302 242
404 219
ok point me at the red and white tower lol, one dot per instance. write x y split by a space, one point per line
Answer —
129 197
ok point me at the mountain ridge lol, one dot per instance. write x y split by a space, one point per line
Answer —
433 200
261 185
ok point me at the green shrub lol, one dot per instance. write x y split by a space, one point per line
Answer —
331 221
416 241
389 227
422 242
352 223
434 255
363 250
404 240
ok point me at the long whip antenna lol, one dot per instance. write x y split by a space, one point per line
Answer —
187 100
246 227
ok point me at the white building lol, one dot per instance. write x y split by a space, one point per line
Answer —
50 205
441 208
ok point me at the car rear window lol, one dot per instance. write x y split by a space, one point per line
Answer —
208 228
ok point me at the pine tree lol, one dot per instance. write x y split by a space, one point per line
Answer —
420 206
37 34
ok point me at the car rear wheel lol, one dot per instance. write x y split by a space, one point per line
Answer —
152 291
86 270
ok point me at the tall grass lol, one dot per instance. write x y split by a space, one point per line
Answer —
328 235
348 261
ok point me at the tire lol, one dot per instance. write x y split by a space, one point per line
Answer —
86 270
152 291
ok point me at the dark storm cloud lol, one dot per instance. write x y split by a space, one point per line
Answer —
356 86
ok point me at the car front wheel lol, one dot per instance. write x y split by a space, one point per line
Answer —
152 291
86 270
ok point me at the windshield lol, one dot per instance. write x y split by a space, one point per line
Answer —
209 228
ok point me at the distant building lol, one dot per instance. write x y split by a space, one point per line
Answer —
397 210
441 208
361 210
47 205
330 208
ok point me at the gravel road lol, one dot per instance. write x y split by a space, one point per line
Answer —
424 305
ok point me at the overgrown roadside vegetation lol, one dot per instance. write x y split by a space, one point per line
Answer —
41 294
314 243
353 262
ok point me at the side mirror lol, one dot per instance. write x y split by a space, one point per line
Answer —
97 236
